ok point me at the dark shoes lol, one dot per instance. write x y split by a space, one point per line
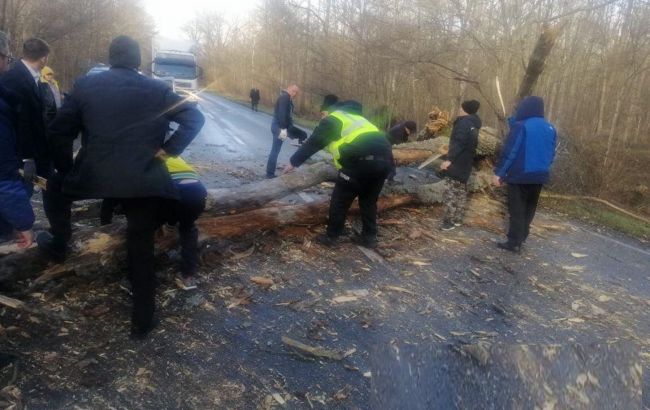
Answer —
270 176
141 332
369 242
329 241
53 250
447 226
509 247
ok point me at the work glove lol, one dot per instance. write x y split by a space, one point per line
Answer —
29 170
283 134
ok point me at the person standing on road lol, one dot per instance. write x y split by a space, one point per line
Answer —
255 98
23 80
525 165
124 118
363 157
16 213
458 166
282 126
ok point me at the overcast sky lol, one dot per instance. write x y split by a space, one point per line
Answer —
171 15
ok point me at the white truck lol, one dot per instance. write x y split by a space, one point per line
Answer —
176 65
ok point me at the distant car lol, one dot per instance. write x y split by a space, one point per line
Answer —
99 68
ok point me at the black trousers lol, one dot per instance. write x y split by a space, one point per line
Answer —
142 216
522 204
184 213
345 191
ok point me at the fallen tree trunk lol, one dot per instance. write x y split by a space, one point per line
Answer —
94 249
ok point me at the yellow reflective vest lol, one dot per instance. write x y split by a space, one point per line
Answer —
352 127
179 169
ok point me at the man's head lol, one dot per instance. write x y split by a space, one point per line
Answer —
328 103
293 90
5 53
124 52
410 127
36 52
469 107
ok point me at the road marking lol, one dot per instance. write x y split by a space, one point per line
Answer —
618 242
236 138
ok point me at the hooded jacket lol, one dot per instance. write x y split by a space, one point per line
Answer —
462 147
15 208
529 150
371 143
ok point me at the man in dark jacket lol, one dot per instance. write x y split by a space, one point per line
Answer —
16 214
123 117
23 79
525 165
282 126
255 98
363 156
458 166
401 131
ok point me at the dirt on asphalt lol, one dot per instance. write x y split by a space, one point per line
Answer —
222 345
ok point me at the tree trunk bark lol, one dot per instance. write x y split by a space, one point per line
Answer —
100 249
537 61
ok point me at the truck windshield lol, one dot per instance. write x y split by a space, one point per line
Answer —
179 71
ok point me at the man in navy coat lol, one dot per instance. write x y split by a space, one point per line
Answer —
123 118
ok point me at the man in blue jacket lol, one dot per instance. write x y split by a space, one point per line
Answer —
282 126
524 165
16 214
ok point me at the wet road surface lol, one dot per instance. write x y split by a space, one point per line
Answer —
426 294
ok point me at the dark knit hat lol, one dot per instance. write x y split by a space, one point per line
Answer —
411 125
470 106
328 101
124 52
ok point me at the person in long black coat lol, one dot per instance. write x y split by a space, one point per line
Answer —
124 118
23 80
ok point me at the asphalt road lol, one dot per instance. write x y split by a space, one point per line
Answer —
236 136
566 321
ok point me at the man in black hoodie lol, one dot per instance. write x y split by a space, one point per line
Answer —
458 166
364 158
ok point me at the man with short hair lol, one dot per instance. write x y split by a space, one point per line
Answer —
458 166
23 80
282 126
525 164
124 118
16 214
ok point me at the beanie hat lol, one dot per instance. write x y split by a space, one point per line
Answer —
124 52
470 106
411 125
328 101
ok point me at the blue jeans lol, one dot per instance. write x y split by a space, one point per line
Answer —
293 133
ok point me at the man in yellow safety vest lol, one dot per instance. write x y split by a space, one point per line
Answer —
363 157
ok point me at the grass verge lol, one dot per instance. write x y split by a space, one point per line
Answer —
595 213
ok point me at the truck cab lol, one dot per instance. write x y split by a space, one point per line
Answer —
178 67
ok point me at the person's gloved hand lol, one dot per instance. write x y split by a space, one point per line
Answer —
29 170
283 134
